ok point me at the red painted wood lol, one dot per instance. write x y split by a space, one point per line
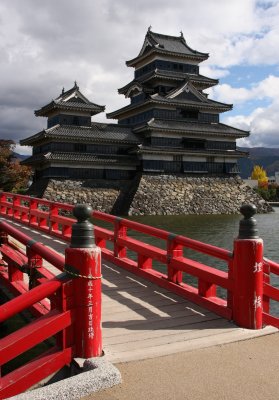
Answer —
248 283
25 377
27 299
11 207
208 274
30 335
145 249
271 291
273 266
49 255
85 264
173 250
120 232
270 320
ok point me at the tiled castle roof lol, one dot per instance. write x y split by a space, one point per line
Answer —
166 44
192 127
98 132
84 158
71 100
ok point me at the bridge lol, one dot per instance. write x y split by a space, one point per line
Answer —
151 305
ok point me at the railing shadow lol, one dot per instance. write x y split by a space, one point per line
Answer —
149 307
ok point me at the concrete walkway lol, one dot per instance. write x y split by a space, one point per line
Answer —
246 370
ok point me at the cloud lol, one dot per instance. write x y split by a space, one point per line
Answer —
47 45
267 88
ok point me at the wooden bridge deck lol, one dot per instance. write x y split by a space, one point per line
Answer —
141 320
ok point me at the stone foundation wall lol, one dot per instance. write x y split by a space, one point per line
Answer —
158 195
100 197
175 195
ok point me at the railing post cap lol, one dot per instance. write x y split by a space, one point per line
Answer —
82 212
248 225
82 230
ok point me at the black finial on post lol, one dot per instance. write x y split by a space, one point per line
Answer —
82 230
248 225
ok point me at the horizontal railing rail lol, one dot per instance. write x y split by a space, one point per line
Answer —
270 292
172 257
44 215
55 319
61 302
120 245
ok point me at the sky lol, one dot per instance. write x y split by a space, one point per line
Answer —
47 45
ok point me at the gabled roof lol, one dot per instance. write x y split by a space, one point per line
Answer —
199 102
71 100
98 132
200 80
168 45
188 92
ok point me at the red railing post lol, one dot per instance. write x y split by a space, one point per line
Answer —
83 264
16 211
248 273
33 205
173 250
53 225
119 232
3 199
35 261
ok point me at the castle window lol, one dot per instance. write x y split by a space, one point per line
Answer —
80 147
76 121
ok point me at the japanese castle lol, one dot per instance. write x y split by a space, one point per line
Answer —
169 127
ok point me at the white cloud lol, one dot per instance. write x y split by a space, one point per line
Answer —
267 88
47 45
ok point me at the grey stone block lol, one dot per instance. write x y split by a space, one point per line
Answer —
98 374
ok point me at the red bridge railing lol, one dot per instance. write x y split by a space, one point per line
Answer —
171 257
67 306
246 279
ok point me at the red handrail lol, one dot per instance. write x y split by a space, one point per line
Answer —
50 217
66 317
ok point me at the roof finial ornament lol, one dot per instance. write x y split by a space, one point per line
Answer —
149 28
63 90
181 34
76 86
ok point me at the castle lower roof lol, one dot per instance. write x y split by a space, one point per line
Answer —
185 151
83 158
171 76
191 127
98 132
157 99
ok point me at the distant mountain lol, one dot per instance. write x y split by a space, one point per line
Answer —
268 158
20 156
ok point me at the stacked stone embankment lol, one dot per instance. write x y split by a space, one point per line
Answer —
174 195
101 197
159 195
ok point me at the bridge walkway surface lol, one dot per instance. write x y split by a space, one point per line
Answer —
141 320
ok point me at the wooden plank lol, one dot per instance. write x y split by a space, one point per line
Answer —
228 336
111 328
137 336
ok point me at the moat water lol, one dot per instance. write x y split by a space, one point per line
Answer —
218 230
